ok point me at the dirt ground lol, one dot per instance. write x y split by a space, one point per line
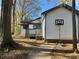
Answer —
22 51
37 49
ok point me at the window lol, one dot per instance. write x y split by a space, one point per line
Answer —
30 26
36 26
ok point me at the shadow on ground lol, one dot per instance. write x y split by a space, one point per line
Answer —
20 52
23 52
63 56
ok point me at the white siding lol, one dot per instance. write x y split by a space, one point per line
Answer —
52 31
23 32
33 31
77 25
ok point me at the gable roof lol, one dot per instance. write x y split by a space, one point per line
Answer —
31 21
61 5
36 19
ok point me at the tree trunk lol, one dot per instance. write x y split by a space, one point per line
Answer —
14 6
1 22
6 18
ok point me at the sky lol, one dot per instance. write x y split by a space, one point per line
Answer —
0 4
47 5
77 4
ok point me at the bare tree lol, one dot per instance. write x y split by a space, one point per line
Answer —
27 10
14 9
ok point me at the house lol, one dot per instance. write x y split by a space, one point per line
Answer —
57 24
35 28
24 29
31 29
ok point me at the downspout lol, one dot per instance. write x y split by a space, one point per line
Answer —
45 28
78 26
